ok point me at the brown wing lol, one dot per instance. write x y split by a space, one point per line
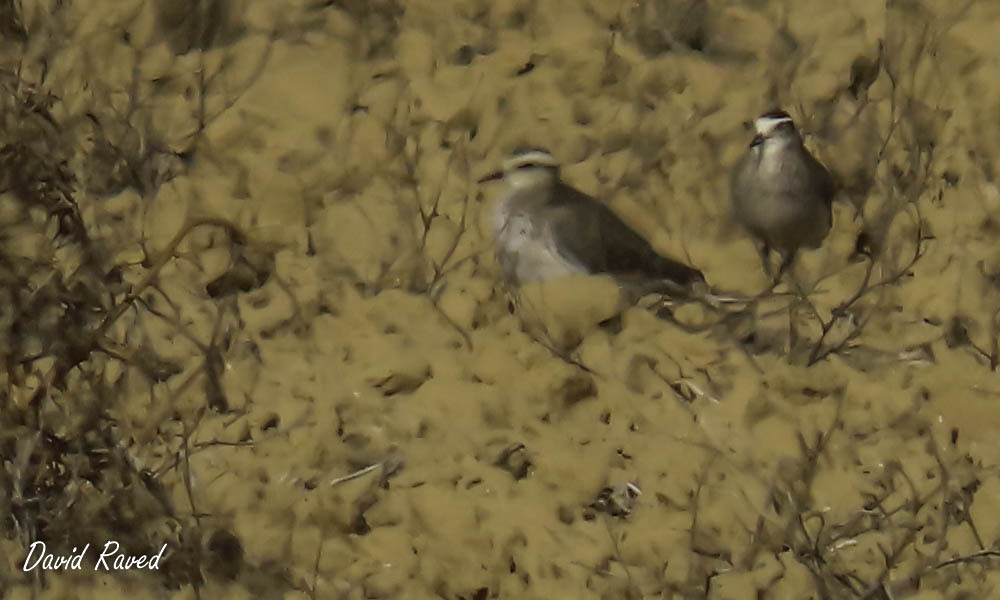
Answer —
591 234
827 185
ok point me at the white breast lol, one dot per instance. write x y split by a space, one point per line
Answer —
525 247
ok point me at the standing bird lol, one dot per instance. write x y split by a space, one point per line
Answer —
544 229
781 194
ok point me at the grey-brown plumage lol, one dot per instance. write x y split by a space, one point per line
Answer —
544 228
781 194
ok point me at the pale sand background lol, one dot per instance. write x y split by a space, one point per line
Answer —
380 341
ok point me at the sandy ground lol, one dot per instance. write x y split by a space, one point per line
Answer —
345 141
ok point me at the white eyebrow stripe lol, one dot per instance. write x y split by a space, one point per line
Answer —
539 157
764 125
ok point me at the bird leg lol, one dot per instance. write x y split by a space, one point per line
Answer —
784 267
800 297
765 258
786 263
775 278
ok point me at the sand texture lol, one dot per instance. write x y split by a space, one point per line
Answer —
250 308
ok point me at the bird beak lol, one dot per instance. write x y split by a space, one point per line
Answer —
492 177
757 140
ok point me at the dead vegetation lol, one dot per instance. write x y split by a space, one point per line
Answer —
77 339
98 424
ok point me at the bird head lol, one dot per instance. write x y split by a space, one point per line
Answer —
527 168
774 127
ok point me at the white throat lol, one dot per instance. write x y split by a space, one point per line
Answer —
765 125
773 152
519 181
